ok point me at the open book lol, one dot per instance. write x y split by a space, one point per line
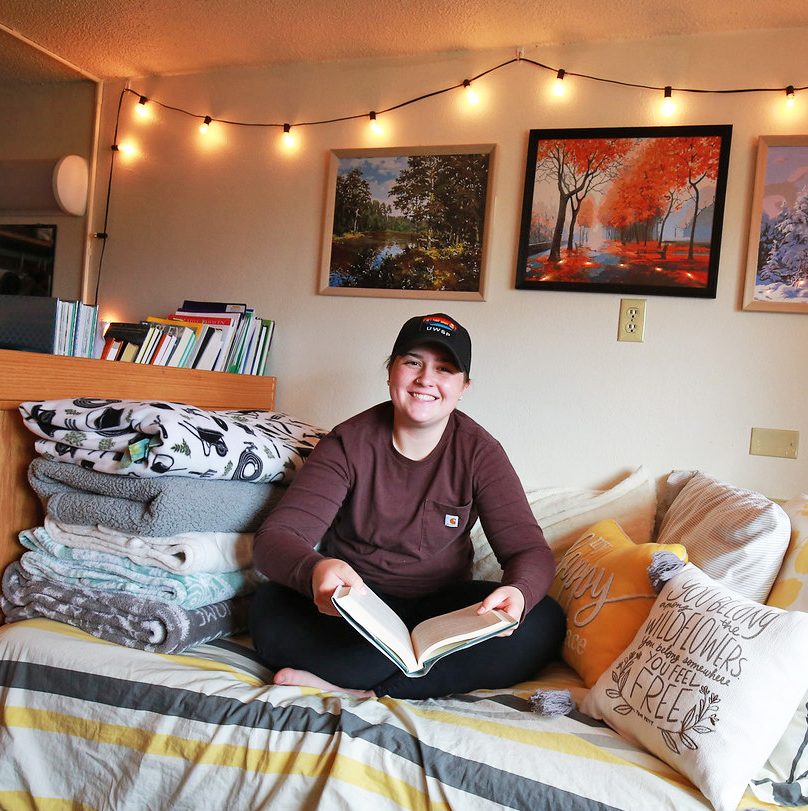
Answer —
415 652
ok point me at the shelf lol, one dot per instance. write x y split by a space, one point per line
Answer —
33 376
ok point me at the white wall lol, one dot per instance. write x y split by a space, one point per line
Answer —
237 219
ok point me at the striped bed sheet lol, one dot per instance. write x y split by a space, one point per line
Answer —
90 725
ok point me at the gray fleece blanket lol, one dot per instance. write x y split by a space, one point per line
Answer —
150 625
161 506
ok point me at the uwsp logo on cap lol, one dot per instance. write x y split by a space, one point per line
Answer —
435 323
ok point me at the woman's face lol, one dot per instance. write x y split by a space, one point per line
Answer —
425 385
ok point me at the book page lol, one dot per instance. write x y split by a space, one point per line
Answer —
442 633
371 613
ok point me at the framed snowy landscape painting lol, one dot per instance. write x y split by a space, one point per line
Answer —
407 222
624 210
777 264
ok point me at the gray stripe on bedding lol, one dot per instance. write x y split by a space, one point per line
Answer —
515 703
477 778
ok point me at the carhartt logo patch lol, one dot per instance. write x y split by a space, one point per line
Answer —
451 520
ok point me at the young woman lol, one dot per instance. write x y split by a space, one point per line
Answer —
386 501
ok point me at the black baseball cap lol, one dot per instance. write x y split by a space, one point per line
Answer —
436 328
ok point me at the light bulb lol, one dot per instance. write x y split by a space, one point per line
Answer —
375 126
471 94
558 84
287 138
141 108
668 104
204 126
790 96
126 148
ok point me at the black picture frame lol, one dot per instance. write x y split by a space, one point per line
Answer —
637 233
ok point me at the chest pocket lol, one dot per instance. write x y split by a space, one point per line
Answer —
442 524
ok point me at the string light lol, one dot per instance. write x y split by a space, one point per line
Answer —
125 148
668 104
558 84
473 98
205 125
375 126
141 109
287 139
471 93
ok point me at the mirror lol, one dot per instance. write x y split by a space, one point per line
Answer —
50 109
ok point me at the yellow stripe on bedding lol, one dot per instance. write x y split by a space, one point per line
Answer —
23 801
184 660
330 764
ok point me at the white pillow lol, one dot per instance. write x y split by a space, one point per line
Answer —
736 536
667 493
564 514
708 684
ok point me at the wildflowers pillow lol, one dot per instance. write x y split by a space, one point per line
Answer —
709 683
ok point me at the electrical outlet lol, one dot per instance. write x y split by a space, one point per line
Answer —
631 325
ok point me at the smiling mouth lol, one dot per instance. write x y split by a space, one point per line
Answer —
424 398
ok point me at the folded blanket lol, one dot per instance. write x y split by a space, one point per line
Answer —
159 438
186 553
113 573
132 621
162 506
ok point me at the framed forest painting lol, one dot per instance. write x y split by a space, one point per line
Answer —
624 210
407 222
777 263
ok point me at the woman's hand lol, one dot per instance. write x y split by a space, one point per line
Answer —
505 598
326 576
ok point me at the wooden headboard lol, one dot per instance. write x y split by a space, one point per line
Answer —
28 376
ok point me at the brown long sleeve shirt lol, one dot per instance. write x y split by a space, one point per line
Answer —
401 524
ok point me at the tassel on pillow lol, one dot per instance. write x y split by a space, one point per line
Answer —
551 703
663 566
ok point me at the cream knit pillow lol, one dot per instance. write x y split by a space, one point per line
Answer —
564 514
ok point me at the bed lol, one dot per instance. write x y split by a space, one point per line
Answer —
90 724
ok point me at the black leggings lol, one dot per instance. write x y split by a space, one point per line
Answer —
289 631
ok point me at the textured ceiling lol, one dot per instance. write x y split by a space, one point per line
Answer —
125 38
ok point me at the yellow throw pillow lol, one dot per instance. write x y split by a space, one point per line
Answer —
606 585
790 589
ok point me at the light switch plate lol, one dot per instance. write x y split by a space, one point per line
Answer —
774 442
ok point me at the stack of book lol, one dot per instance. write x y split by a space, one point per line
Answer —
211 335
48 324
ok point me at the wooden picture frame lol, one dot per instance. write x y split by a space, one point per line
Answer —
408 222
634 210
777 258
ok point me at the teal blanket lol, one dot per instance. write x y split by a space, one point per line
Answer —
89 568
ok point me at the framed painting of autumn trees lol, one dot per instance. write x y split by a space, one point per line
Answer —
407 222
777 264
624 210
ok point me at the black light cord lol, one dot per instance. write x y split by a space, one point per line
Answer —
102 234
465 83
